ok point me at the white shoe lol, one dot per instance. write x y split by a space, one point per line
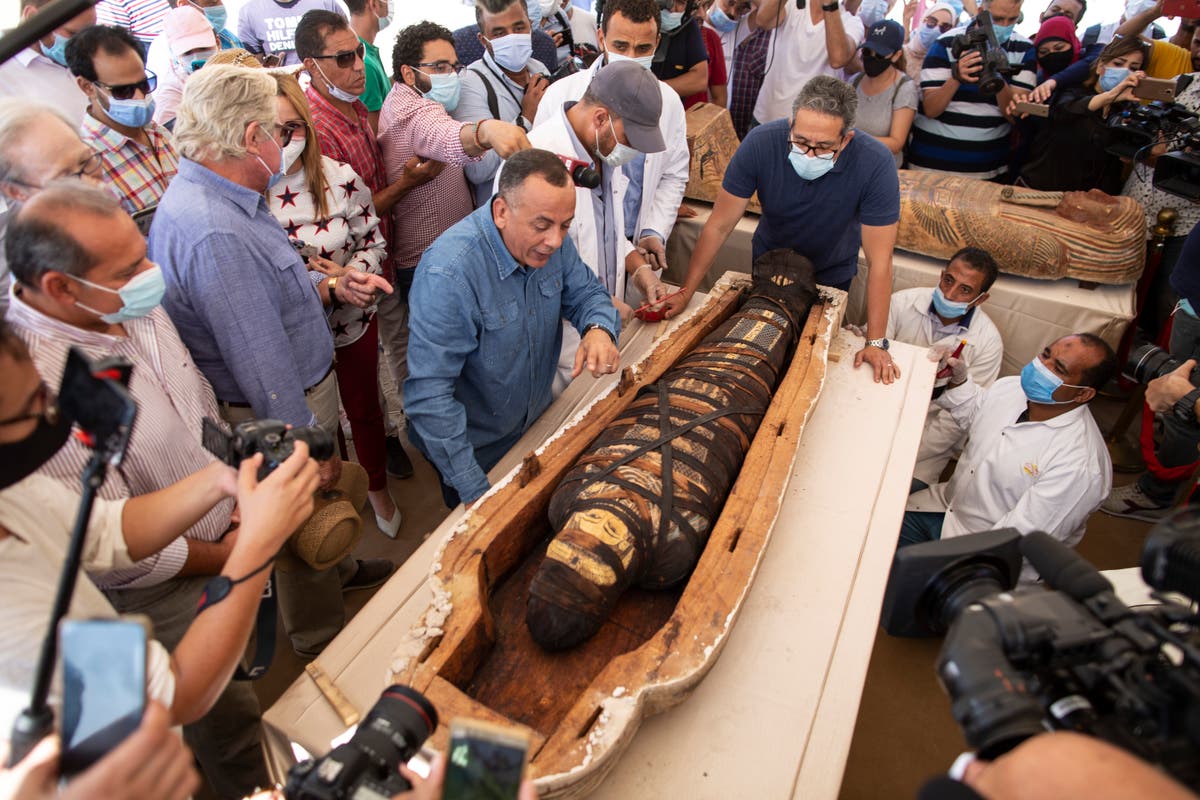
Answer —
389 527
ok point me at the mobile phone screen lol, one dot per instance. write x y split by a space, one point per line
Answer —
481 768
104 687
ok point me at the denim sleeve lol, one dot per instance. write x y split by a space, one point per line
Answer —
1077 73
244 320
443 331
585 301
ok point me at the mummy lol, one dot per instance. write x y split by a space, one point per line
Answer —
639 504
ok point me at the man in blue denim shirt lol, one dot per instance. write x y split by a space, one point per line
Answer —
485 331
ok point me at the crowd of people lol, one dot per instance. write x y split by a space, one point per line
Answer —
269 225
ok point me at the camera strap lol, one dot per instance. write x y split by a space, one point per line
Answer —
218 588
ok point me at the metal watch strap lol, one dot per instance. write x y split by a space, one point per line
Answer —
882 343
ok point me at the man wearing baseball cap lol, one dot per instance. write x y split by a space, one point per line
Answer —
615 121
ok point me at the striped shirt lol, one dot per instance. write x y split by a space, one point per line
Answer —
970 138
143 18
172 398
138 173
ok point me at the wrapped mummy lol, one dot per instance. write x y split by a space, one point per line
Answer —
638 506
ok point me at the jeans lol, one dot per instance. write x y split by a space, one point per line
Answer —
1180 439
920 526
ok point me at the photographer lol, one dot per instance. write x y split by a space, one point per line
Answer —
36 515
1068 153
1174 397
972 138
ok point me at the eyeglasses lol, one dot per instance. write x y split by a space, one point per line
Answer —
91 167
822 151
42 399
346 58
288 130
941 26
126 91
441 67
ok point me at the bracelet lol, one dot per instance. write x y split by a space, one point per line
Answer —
478 144
598 326
830 7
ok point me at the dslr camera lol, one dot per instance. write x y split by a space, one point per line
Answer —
1016 662
1149 362
275 440
367 766
980 37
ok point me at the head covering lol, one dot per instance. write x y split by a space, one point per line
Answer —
187 29
951 10
1060 28
631 93
884 38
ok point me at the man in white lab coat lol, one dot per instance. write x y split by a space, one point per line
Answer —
1035 459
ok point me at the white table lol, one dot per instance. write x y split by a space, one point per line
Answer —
1029 313
776 714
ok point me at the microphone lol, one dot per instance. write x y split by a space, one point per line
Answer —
582 173
1062 568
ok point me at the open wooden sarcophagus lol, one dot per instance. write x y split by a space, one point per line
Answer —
472 654
1089 236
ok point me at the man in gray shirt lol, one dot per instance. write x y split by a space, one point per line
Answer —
269 26
506 84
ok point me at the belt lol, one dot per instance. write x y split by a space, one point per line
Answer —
307 392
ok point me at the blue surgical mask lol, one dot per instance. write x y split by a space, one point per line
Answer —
872 11
721 22
808 166
643 61
1111 77
671 20
1003 32
444 89
57 52
1040 384
275 176
927 36
384 22
139 296
131 113
512 52
948 308
217 17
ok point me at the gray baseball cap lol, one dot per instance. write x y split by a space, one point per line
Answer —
631 92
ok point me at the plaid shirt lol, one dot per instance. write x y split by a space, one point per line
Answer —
749 67
138 173
353 143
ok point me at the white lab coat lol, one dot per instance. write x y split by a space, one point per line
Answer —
909 322
666 173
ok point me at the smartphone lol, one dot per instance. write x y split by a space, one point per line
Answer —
485 762
104 686
1186 9
1032 109
1156 89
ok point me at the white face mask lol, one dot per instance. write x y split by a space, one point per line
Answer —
621 153
644 61
291 151
512 52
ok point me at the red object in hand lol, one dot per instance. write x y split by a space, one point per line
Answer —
645 315
947 371
1187 9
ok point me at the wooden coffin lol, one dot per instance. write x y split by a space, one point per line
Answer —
712 143
471 653
940 214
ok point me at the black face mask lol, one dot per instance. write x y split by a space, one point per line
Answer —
874 65
1052 63
19 460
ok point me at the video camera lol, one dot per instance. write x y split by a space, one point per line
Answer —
980 36
1178 172
1072 657
1133 127
272 438
367 766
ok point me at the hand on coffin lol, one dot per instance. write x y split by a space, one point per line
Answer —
597 354
881 361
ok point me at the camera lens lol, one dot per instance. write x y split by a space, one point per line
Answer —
1149 362
405 717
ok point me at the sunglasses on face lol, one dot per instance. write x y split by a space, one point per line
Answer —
346 58
941 26
290 130
126 91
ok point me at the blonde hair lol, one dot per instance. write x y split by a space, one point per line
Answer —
236 56
314 172
217 106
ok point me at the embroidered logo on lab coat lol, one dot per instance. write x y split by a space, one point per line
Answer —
1030 469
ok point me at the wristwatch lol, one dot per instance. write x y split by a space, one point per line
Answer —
1185 407
589 328
882 344
834 6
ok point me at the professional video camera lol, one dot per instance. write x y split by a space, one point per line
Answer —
1178 172
1016 662
980 36
272 438
1133 127
367 766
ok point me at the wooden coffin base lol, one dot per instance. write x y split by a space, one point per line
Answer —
472 654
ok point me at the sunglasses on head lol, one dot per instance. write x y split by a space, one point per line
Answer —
126 91
346 58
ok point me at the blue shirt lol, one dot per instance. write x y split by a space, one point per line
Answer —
821 219
240 295
484 337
